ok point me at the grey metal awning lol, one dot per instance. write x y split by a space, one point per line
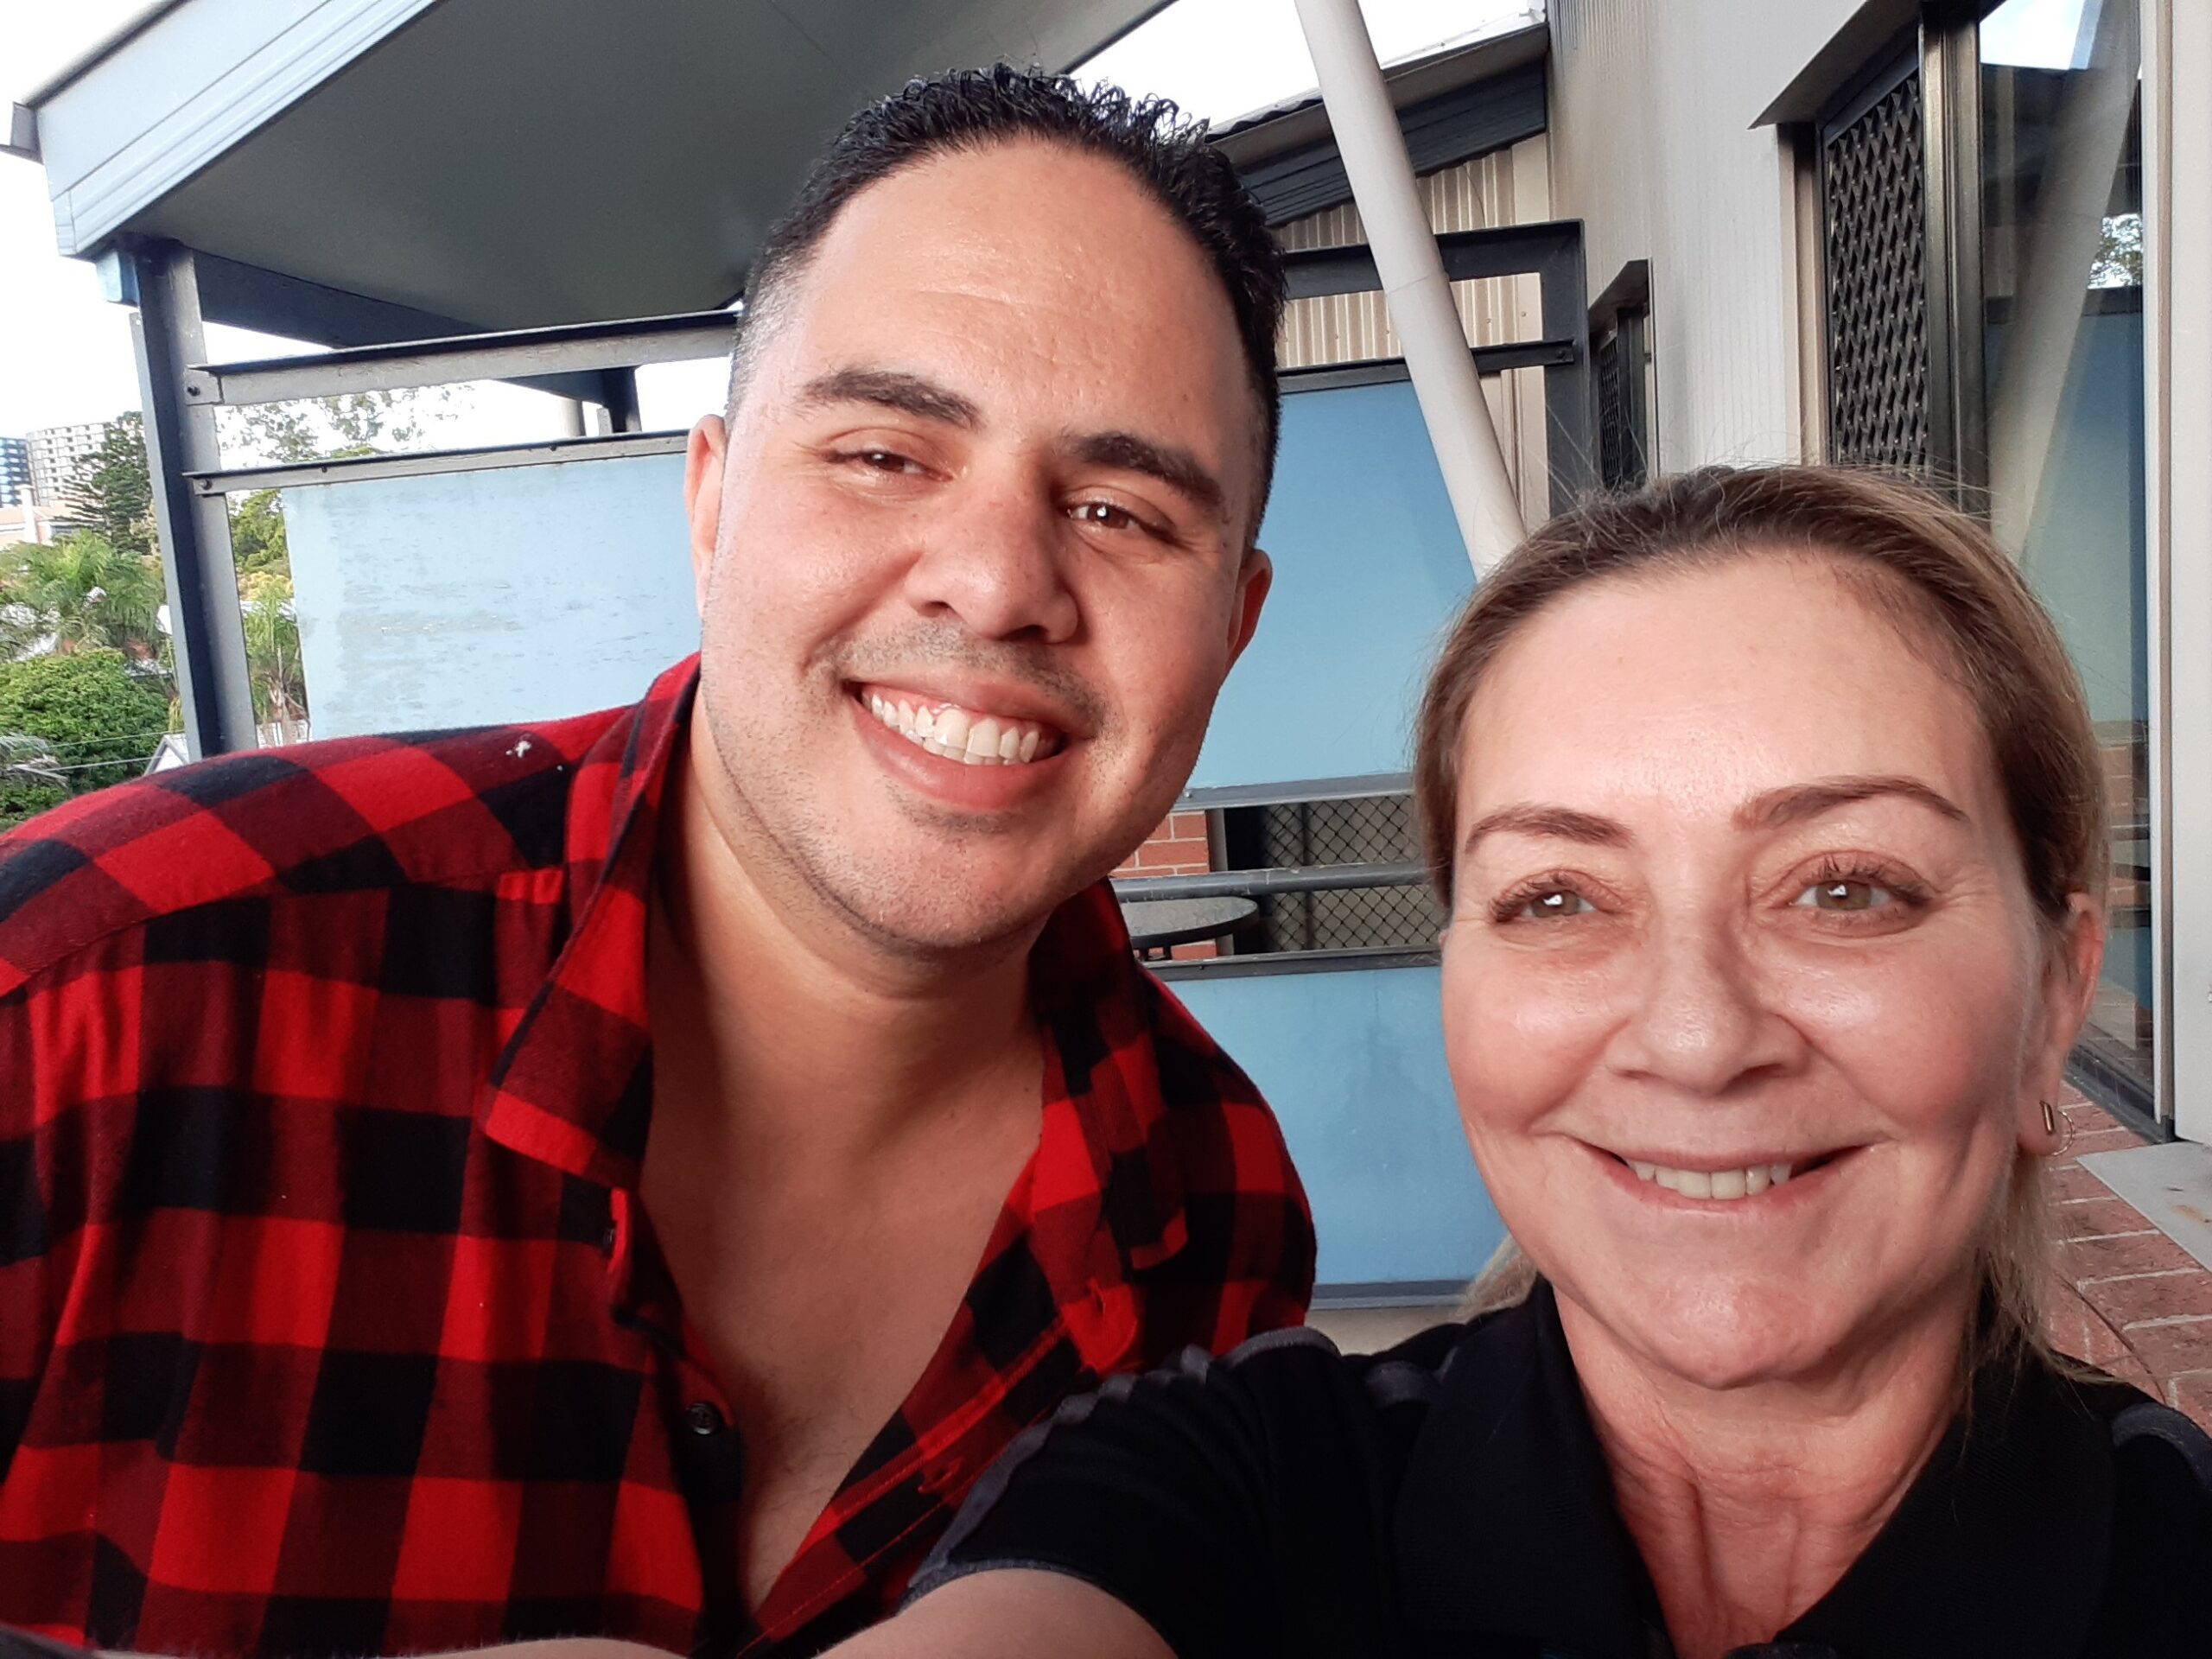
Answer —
495 163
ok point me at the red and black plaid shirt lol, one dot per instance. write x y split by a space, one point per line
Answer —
329 1323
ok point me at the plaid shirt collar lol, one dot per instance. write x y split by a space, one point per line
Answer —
573 1086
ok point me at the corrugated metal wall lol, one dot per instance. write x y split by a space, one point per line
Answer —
1507 187
1653 150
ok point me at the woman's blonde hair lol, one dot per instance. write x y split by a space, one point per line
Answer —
1932 570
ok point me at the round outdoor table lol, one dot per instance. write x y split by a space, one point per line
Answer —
1155 924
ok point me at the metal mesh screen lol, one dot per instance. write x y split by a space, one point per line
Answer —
1876 249
1620 363
1369 829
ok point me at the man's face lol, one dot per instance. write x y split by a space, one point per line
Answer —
973 558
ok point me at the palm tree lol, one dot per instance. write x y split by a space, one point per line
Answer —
84 592
272 652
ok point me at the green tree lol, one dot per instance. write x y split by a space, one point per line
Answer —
112 494
335 429
84 592
257 541
98 718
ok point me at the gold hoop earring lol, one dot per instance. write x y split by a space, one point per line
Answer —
2057 1127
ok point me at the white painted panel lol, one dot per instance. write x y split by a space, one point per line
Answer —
465 599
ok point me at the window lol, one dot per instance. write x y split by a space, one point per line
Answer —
2061 278
1982 266
1302 834
1873 212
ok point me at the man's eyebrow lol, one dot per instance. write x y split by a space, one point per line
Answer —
1800 802
1176 468
908 394
1559 822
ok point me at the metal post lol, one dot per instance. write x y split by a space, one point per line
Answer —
206 632
1413 287
620 400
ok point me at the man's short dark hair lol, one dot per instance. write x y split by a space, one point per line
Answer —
971 109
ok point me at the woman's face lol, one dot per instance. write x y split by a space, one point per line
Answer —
1746 1004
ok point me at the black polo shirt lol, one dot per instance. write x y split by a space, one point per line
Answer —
1449 1497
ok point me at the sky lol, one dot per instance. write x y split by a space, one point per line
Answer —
65 352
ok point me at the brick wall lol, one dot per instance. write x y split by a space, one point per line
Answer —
1179 847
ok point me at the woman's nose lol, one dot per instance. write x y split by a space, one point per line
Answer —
1700 1022
994 562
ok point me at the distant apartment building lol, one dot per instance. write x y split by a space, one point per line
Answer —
55 454
15 473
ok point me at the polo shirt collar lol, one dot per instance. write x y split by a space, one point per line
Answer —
572 1085
1506 1521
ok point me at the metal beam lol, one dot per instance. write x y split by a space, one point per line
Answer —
1497 250
206 632
617 396
576 346
1252 884
270 302
215 482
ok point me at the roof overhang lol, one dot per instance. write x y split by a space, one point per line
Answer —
1452 105
500 163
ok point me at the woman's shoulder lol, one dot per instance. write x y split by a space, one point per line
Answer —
2161 1456
2161 1527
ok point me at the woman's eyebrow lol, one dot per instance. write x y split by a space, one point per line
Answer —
1561 822
1799 802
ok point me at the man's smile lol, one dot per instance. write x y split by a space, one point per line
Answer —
954 731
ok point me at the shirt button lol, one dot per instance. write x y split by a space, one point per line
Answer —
703 1419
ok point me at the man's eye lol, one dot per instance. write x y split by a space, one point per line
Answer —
885 461
1105 515
1847 893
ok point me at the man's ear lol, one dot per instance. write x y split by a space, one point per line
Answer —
1253 578
704 457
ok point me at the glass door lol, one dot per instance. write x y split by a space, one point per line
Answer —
2063 355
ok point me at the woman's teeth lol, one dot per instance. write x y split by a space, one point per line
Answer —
1746 1183
959 735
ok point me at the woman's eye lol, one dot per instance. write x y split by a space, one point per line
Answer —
1551 903
1847 894
1104 514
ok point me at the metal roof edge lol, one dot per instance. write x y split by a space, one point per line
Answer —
1260 133
249 95
21 138
92 56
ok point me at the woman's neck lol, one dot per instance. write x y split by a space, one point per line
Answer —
1749 1504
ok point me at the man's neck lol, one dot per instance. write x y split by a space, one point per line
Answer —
1748 1504
832 1040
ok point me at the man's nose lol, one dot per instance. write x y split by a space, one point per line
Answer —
995 562
1701 1021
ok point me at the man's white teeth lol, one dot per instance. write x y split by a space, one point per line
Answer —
957 734
1747 1183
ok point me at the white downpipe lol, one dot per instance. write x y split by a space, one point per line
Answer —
1420 300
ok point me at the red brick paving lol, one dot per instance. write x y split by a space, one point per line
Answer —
2125 1296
